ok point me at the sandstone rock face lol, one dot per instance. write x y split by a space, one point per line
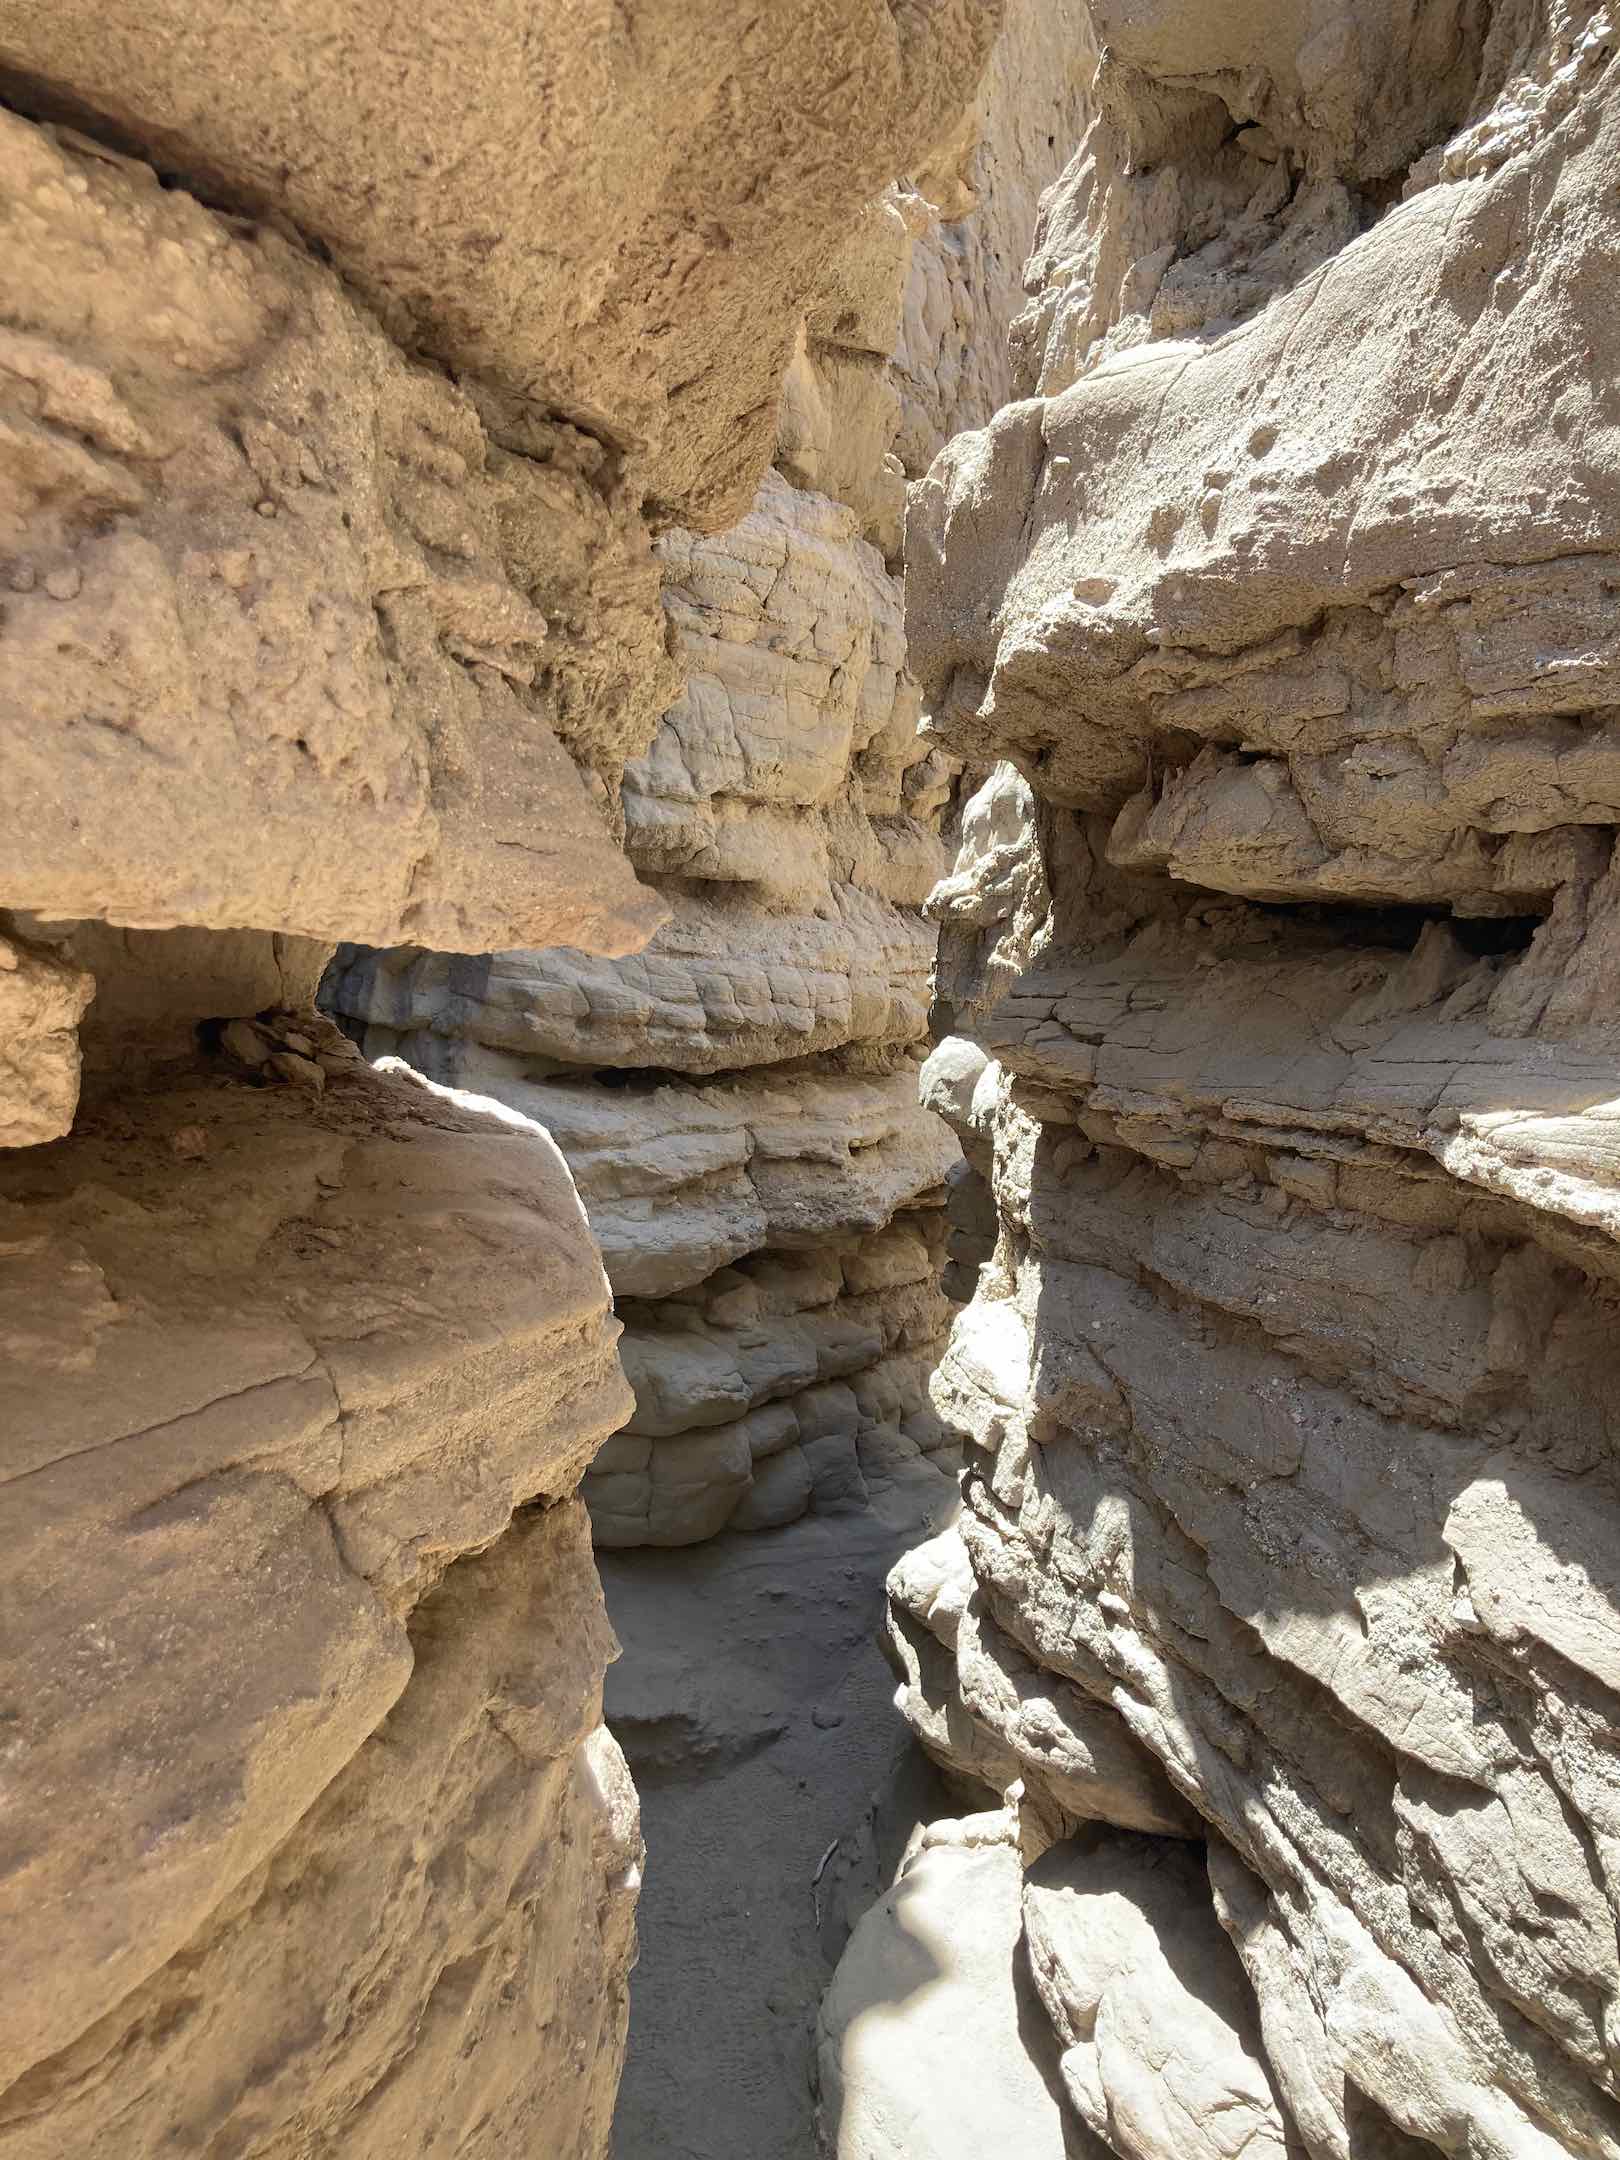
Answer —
739 1105
1161 2043
921 2051
41 1004
349 367
250 1425
344 619
1278 957
738 1102
592 208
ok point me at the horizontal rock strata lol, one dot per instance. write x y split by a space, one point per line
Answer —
349 368
239 1459
1277 957
738 1103
742 1093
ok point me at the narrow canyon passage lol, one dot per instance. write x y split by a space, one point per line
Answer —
777 1788
809 1080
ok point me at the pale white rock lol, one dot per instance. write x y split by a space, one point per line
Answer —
920 2043
1161 2053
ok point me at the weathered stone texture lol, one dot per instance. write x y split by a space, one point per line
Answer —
489 1984
250 1425
288 634
1280 959
739 1101
349 365
42 1001
612 214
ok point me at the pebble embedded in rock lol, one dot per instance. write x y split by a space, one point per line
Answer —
302 1071
246 1043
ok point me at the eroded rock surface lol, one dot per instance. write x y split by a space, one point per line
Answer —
290 633
922 2045
1278 958
739 1105
739 1101
250 1425
349 367
613 214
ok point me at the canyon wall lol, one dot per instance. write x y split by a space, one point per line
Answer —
738 1103
455 487
738 1100
1277 1635
348 371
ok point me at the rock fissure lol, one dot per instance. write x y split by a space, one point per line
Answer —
808 871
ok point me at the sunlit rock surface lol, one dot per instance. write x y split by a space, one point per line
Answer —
1278 963
352 361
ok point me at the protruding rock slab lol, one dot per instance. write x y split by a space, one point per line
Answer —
921 2044
728 982
987 1711
281 1341
287 632
613 214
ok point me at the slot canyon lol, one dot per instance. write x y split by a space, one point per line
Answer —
810 1080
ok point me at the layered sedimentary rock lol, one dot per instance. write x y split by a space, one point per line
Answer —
739 1101
347 371
744 1088
1280 955
251 1425
739 1105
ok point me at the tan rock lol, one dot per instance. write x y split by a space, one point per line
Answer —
350 688
257 1404
728 982
797 701
347 368
41 1004
619 147
434 1956
785 1382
